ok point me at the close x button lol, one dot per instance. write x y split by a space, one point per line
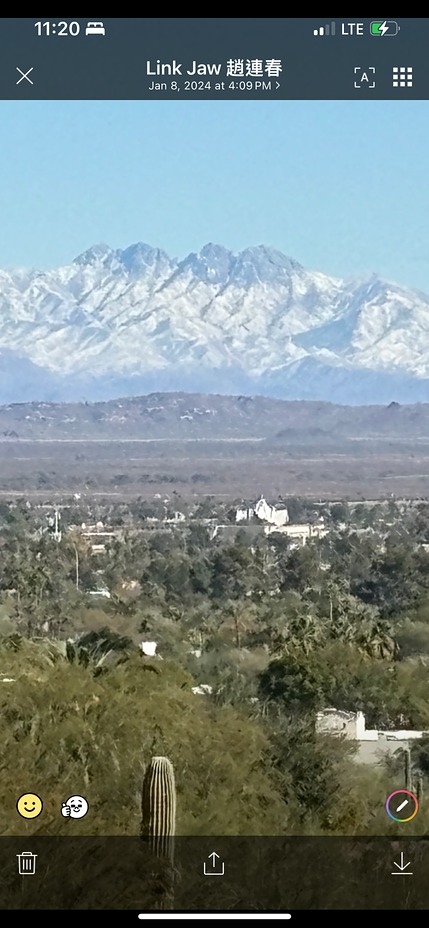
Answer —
24 76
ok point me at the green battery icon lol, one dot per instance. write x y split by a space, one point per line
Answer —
384 27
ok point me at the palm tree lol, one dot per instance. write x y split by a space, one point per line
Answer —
376 639
99 649
305 631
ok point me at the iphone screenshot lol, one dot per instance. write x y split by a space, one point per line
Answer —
214 468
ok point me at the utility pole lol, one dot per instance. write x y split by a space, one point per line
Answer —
77 566
57 533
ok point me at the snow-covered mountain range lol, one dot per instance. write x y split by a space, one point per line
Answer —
118 322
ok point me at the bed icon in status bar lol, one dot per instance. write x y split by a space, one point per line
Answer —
95 28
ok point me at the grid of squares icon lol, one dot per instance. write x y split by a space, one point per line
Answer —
402 77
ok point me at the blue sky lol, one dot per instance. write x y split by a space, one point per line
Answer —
340 186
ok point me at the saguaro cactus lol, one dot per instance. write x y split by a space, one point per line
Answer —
159 825
159 806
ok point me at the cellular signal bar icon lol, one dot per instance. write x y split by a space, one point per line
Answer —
329 29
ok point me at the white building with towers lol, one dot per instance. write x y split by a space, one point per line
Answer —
265 512
270 514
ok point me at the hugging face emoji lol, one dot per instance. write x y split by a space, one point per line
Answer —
29 805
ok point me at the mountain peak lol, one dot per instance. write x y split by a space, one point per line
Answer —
260 263
137 258
213 264
96 254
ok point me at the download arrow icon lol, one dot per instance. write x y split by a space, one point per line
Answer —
402 867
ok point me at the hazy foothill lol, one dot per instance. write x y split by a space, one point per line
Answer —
228 446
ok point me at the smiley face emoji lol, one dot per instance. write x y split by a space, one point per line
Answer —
29 805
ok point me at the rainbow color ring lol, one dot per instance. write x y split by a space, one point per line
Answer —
402 805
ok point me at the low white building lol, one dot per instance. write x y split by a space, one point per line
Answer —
244 515
350 725
299 532
373 744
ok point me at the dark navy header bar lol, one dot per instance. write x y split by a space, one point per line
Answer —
60 58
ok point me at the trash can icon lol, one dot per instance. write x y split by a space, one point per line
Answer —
26 863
